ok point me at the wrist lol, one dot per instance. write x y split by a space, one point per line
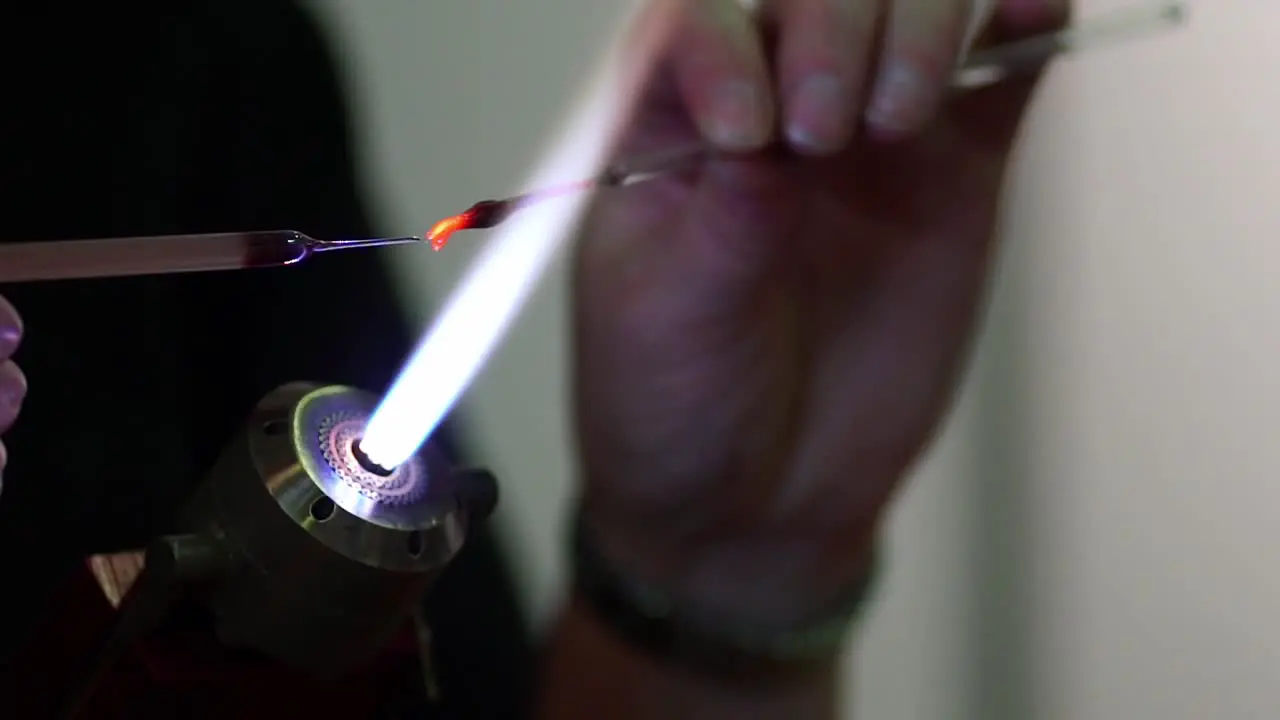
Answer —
774 579
726 621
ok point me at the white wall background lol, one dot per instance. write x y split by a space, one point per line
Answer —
1094 536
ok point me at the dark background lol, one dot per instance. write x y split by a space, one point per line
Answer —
176 117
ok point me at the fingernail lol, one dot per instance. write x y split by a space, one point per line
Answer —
737 116
820 114
899 98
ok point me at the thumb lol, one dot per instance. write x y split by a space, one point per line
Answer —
990 117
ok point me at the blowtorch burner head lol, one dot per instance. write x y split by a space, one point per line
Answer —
333 553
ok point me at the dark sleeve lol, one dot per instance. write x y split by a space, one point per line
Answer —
281 157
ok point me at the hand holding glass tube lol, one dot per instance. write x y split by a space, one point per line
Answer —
762 348
118 257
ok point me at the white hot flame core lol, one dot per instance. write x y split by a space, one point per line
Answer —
481 308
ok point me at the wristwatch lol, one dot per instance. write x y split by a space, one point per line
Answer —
703 639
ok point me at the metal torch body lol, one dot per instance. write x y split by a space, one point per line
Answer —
327 559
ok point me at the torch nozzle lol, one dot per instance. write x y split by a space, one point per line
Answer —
367 462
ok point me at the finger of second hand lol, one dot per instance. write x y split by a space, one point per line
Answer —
10 329
923 42
719 66
13 390
823 58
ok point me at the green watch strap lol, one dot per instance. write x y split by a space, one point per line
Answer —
702 639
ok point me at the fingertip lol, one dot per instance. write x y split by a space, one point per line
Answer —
900 101
719 63
924 43
10 329
823 56
737 115
820 115
13 392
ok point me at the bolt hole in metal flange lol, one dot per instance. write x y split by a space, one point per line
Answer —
415 543
322 509
275 428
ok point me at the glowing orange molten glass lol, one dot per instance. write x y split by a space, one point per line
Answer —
490 213
440 233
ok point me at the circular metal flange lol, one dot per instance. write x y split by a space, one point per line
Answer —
326 424
302 445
